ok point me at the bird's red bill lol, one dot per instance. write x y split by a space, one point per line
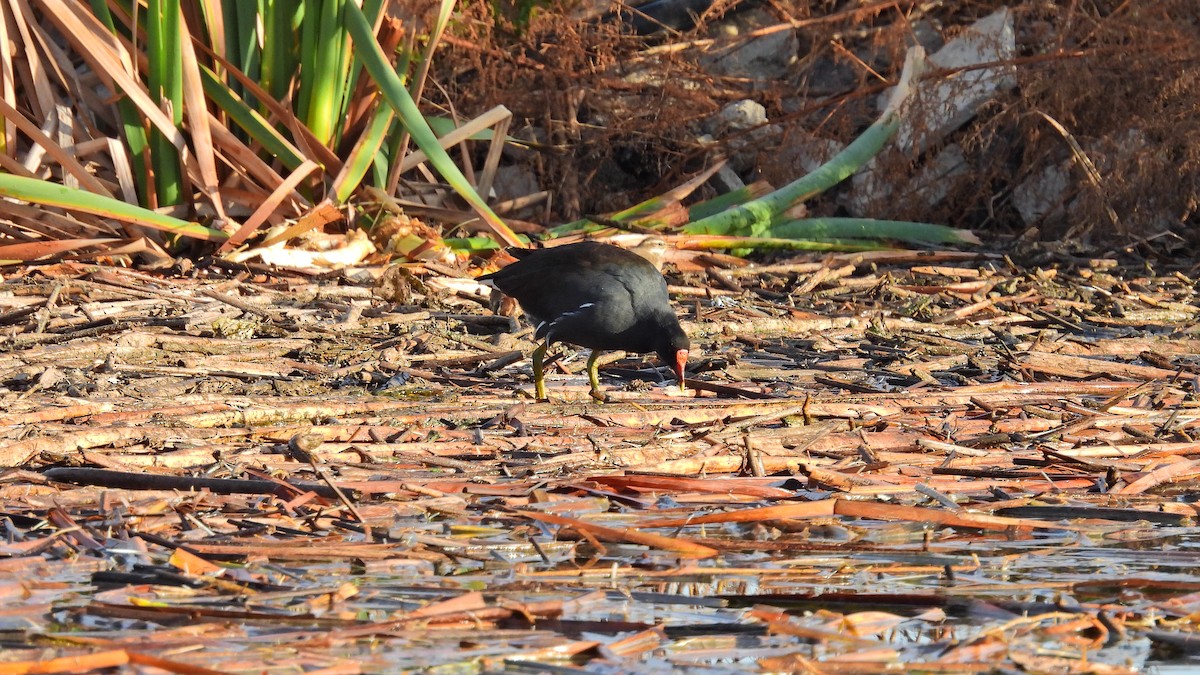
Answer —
681 357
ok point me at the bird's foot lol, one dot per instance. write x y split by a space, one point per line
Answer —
599 396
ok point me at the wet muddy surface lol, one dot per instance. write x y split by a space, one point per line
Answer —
925 462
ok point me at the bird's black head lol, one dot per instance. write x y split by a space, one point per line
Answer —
673 350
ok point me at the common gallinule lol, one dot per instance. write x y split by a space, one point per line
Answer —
597 296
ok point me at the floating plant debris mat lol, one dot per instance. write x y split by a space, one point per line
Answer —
884 462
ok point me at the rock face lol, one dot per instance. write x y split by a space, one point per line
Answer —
742 126
945 104
740 116
768 56
514 181
1040 197
940 107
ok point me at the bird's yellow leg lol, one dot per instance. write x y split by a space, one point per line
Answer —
539 376
593 376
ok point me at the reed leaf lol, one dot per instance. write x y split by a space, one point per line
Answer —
392 89
723 242
136 140
250 121
728 200
165 81
754 218
280 51
364 154
323 45
820 229
241 40
42 192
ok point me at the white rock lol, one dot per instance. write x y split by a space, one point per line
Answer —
933 182
513 181
727 180
873 192
1040 197
766 57
741 115
944 104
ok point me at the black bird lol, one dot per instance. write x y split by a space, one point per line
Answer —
597 296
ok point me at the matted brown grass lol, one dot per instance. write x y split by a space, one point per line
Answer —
894 460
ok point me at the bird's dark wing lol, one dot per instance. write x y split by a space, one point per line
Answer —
589 294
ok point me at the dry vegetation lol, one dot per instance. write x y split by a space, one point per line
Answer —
886 460
1121 77
893 460
1100 115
